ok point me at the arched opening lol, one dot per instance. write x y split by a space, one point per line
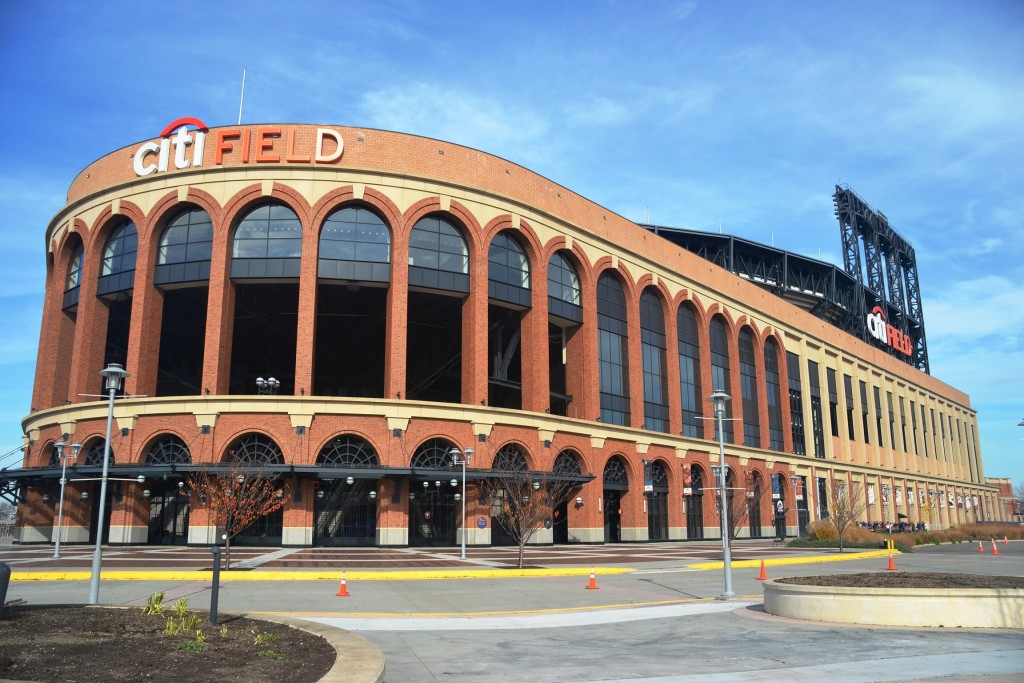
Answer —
567 464
258 452
754 504
748 386
114 288
182 273
657 501
511 460
565 317
720 374
438 287
345 511
653 345
613 350
266 253
695 505
169 504
691 397
508 295
93 465
432 507
354 273
616 484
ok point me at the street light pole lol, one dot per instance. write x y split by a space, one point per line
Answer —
719 398
466 456
60 446
112 375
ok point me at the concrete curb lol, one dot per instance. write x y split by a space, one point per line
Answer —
315 575
782 561
358 659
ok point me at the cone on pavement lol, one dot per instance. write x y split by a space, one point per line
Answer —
343 588
1006 541
995 548
592 586
980 548
762 576
892 564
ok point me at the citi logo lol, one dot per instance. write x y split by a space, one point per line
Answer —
181 141
886 333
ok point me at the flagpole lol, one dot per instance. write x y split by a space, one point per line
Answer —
241 100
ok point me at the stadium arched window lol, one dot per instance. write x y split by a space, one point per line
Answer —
348 450
564 298
720 378
509 458
652 346
748 385
185 248
690 396
254 450
168 450
613 351
117 268
438 256
73 278
433 454
508 271
773 385
355 245
267 243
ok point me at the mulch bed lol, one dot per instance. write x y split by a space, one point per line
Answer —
98 644
907 580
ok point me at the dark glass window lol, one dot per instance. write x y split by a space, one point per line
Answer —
748 385
117 269
73 278
848 387
817 426
864 410
613 351
268 231
348 450
564 289
924 431
355 245
773 385
186 244
878 414
653 345
168 450
903 423
833 400
691 397
720 369
796 403
892 421
508 271
437 244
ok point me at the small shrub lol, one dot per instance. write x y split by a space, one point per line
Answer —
154 605
270 654
200 636
223 631
262 638
822 530
189 622
180 608
172 628
191 646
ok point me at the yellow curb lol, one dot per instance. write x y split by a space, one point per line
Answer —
315 575
781 561
501 613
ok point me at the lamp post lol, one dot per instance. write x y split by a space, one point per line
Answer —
718 398
60 446
113 374
462 457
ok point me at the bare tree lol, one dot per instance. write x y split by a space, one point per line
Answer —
845 508
236 498
739 504
524 502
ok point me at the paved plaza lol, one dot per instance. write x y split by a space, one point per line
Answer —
654 616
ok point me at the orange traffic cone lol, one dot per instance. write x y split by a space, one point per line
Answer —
762 576
980 548
995 549
1005 541
592 586
892 565
343 588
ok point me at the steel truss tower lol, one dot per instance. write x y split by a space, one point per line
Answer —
883 264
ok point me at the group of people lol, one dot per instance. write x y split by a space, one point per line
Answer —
889 527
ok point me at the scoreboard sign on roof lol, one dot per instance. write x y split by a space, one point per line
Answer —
886 333
183 144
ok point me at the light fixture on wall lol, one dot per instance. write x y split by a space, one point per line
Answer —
579 501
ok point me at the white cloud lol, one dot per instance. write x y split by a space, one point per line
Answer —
969 310
449 113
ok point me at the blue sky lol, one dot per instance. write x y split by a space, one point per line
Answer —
746 113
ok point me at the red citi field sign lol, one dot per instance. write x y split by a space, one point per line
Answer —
183 144
886 333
